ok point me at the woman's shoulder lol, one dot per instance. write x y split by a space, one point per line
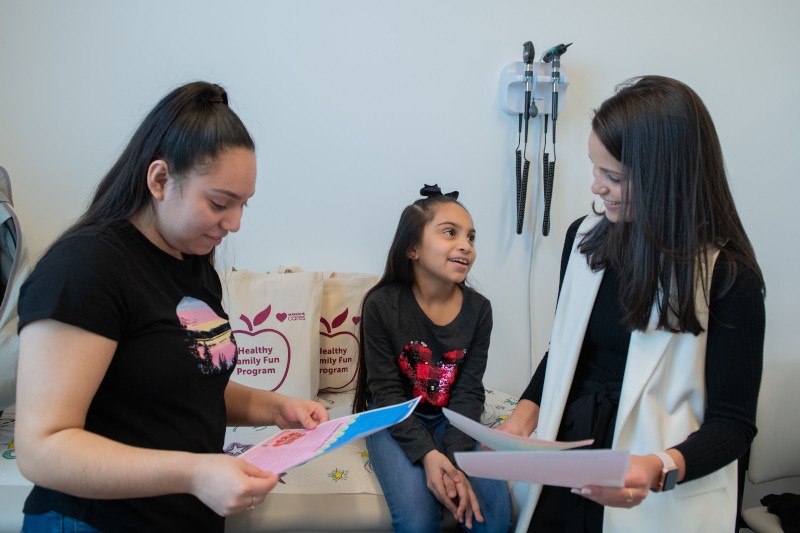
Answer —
82 248
76 274
573 228
79 247
732 275
572 232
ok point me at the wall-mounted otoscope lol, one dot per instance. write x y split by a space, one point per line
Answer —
530 110
553 56
519 96
528 55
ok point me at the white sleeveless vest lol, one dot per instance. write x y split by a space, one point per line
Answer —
661 403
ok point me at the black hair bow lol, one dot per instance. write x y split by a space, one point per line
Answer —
434 190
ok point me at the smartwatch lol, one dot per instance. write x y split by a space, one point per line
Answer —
669 473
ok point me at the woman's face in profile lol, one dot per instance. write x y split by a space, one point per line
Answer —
608 175
198 211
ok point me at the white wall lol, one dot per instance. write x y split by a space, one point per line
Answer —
354 104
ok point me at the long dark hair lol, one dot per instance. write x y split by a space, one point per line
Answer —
676 203
189 127
399 269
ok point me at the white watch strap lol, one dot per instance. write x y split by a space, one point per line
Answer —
666 460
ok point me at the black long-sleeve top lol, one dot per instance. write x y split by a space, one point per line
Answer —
734 357
407 355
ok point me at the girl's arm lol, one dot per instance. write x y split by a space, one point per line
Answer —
247 406
467 395
451 487
384 380
60 369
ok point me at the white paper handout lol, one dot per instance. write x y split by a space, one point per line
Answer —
571 468
538 461
499 441
292 447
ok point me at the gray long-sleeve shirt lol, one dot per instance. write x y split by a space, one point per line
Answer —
407 355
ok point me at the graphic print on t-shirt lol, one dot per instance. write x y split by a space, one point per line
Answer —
432 381
209 336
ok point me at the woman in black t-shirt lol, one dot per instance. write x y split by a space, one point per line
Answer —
125 351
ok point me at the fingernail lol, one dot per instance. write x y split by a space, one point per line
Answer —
586 492
575 491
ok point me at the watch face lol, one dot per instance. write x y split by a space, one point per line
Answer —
670 479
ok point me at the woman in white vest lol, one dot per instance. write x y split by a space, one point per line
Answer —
658 338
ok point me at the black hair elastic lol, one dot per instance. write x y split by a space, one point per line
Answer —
219 99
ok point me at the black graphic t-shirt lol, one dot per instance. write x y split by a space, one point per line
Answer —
407 355
165 386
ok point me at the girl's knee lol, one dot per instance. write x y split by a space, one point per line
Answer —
495 504
420 519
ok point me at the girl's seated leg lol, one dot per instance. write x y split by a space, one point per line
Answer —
413 507
493 495
495 502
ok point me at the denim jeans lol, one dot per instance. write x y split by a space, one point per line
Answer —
53 522
414 508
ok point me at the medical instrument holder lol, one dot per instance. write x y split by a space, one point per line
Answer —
512 88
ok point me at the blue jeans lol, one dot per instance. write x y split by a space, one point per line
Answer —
414 508
53 522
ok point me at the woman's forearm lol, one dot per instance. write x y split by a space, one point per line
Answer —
84 464
525 416
246 406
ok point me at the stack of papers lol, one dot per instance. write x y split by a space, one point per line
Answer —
538 461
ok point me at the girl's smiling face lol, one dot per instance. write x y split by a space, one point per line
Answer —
608 176
446 251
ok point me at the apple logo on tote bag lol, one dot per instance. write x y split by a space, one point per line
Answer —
338 354
209 336
264 354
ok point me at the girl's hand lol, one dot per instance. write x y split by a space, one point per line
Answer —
449 486
229 485
466 495
642 474
297 413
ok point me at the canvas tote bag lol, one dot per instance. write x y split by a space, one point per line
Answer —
342 295
274 318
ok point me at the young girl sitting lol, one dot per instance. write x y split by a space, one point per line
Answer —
425 333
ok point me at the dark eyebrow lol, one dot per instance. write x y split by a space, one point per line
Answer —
470 230
607 171
232 194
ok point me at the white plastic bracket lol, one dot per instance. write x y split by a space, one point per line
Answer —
512 88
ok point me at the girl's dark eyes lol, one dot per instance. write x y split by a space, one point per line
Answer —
452 233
